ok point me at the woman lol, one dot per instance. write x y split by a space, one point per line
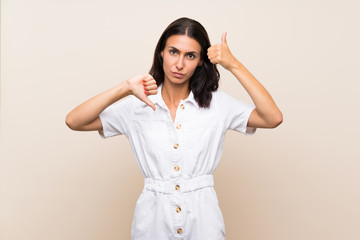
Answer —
176 120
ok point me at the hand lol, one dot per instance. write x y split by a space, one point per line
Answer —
220 53
141 86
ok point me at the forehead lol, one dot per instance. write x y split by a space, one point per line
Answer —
183 43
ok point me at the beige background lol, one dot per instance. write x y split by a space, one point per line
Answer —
299 181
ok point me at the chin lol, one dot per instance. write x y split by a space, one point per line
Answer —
178 81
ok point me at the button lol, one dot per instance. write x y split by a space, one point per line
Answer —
176 168
176 146
178 126
182 106
179 231
178 209
177 187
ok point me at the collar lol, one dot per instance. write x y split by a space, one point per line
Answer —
157 99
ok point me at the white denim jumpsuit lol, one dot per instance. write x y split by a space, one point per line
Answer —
177 160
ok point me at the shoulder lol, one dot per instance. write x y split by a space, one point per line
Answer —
122 105
221 98
129 100
227 103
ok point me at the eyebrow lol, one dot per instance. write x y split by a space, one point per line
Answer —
192 52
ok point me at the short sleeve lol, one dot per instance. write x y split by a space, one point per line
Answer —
115 118
237 114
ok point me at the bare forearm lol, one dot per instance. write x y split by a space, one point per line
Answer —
262 99
266 114
88 111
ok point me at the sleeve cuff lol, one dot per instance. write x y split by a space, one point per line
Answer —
106 131
249 131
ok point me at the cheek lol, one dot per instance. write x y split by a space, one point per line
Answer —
166 62
193 66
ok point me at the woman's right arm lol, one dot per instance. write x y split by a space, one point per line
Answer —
85 117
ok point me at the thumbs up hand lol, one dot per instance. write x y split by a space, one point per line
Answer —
141 86
220 54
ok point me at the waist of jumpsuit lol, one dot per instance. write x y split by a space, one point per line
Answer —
179 184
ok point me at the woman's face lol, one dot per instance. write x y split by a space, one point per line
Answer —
181 56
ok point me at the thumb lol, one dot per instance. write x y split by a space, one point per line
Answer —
223 38
149 103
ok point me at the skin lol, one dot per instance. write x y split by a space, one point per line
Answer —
85 117
180 55
266 114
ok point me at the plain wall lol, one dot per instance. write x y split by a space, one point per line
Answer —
299 181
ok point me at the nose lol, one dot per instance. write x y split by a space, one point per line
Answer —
180 62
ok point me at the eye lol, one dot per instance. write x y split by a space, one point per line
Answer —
191 56
172 51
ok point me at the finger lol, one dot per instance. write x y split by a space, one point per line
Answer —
150 87
211 53
144 76
149 103
223 38
149 82
213 60
152 92
148 77
213 48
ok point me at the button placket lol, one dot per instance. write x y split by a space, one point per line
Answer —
178 132
177 127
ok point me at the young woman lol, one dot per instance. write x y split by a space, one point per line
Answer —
176 120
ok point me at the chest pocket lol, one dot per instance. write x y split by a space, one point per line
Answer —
203 123
152 134
150 125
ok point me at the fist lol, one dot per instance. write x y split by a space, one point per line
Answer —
141 86
220 54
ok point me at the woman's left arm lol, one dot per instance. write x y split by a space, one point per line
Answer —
266 114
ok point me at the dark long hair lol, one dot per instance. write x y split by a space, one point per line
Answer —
206 77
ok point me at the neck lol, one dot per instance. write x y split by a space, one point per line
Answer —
174 93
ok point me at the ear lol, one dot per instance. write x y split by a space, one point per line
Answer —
200 62
162 53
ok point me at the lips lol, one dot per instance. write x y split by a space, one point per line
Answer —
177 75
